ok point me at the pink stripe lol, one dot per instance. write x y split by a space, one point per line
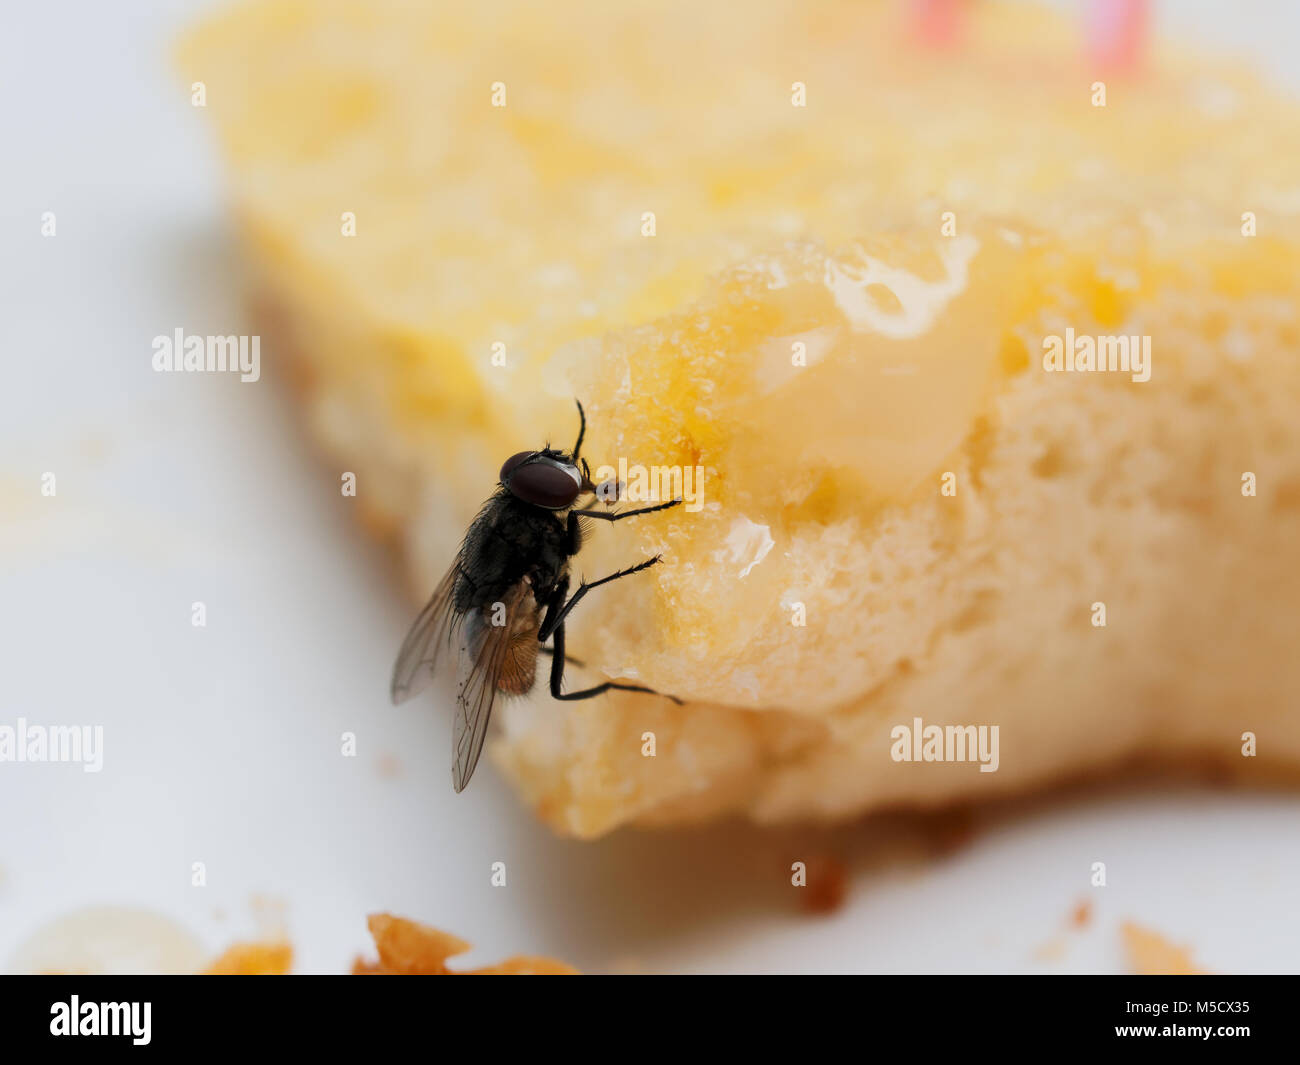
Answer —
937 22
1117 31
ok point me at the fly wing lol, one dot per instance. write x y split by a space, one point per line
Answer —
430 637
498 651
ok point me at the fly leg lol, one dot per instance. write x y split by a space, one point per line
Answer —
557 678
569 660
557 608
553 628
573 528
605 515
582 430
555 601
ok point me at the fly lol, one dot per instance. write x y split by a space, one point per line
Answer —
507 594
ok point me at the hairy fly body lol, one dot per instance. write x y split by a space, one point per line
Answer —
507 594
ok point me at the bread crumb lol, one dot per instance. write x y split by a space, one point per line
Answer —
1151 954
253 959
405 948
1081 915
408 948
826 885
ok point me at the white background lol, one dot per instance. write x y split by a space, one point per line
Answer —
222 743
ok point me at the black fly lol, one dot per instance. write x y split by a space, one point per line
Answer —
507 593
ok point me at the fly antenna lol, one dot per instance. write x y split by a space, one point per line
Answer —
582 429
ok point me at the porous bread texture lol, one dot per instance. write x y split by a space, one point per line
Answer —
976 608
821 225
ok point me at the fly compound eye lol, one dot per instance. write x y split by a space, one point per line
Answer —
513 462
552 485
